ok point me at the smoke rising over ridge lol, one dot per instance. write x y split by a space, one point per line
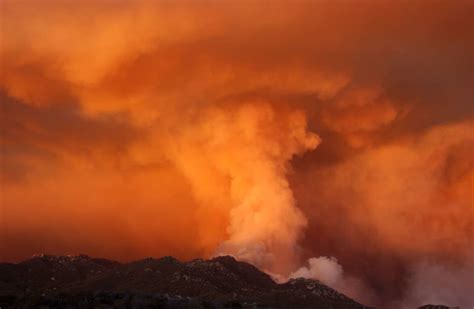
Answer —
246 152
276 132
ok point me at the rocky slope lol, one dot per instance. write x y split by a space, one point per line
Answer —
83 282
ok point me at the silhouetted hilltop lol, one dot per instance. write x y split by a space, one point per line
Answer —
82 282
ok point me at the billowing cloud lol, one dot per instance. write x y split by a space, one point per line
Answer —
272 131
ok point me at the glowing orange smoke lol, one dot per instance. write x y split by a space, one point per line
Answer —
274 132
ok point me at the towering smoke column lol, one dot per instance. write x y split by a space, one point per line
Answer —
245 151
195 114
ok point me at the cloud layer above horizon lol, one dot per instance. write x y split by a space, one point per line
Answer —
273 131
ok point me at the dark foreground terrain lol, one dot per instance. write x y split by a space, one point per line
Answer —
82 282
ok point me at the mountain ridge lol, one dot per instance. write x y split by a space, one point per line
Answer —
80 281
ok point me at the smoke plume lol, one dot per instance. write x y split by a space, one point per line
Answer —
432 283
275 131
245 151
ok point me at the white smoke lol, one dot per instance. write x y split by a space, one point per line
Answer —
439 284
325 269
330 272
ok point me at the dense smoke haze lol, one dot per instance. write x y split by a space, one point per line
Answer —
326 139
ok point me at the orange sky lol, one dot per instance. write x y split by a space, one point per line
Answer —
273 131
